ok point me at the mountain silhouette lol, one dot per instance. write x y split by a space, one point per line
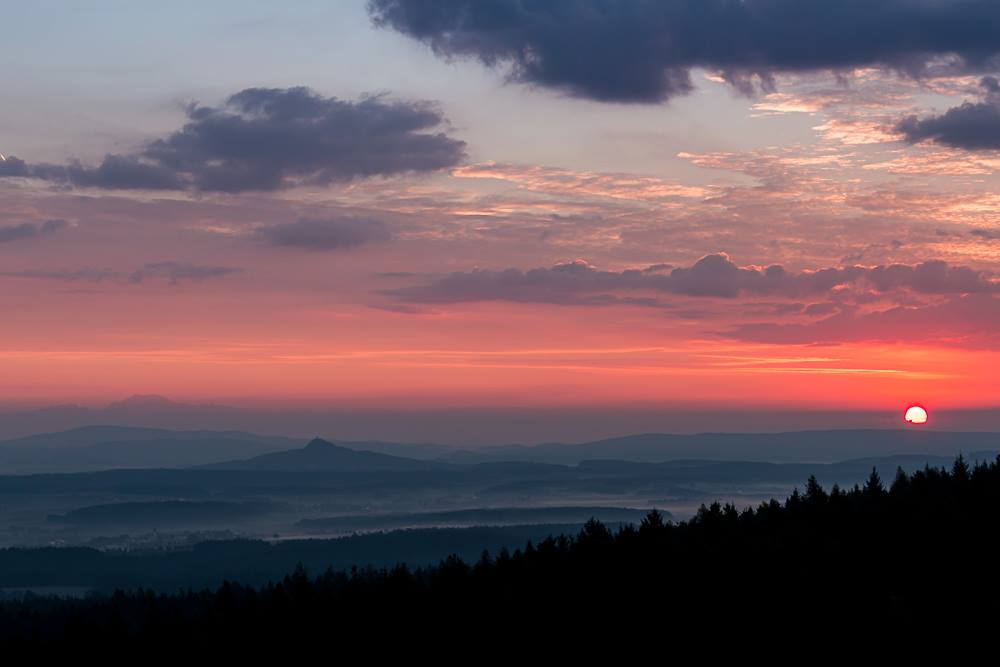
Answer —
105 447
790 447
144 401
90 448
324 456
87 436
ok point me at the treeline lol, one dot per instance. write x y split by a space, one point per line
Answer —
208 563
919 552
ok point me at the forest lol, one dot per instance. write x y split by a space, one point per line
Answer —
912 553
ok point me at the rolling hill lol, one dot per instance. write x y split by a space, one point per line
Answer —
323 456
792 447
92 448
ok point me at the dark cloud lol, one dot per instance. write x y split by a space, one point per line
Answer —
972 320
988 234
270 139
336 234
12 166
644 50
972 125
116 172
933 277
713 276
30 230
575 283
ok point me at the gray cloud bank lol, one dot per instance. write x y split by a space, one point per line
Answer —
713 276
965 309
642 51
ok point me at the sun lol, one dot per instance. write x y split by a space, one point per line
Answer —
915 414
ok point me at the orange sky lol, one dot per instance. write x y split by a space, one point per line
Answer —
205 349
786 249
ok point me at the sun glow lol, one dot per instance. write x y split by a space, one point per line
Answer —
915 415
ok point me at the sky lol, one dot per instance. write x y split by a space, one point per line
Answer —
780 205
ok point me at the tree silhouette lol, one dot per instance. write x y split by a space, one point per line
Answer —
960 469
869 554
815 495
874 487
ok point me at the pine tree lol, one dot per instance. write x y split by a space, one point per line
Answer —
901 483
652 522
960 469
874 486
815 495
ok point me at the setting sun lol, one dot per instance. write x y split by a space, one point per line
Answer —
915 415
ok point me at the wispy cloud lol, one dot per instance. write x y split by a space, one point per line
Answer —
173 273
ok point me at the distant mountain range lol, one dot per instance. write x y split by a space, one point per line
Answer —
136 411
457 426
362 478
93 448
102 447
105 447
90 436
267 486
799 446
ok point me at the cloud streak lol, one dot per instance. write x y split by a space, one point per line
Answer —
971 320
170 272
550 180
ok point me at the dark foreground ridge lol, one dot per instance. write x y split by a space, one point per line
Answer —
920 554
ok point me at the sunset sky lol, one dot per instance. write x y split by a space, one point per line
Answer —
780 204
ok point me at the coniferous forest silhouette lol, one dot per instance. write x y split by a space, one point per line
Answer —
917 552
